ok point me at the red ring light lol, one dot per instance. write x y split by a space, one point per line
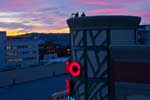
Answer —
77 66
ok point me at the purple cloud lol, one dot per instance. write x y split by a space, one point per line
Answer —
52 14
108 11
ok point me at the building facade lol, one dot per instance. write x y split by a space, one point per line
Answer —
129 72
19 52
92 40
48 48
2 48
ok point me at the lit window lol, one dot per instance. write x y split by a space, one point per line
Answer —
51 51
14 47
68 50
8 47
13 53
15 60
10 53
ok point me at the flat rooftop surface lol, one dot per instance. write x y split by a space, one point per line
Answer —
34 90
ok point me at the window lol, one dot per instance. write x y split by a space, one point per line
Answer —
29 58
20 53
11 54
8 47
15 60
31 46
14 47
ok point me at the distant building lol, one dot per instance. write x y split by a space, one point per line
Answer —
18 52
55 38
63 51
52 43
2 48
47 48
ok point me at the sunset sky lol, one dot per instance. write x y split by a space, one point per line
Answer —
21 16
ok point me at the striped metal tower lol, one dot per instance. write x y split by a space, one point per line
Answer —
90 41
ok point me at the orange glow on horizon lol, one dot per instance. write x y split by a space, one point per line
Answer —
64 30
15 32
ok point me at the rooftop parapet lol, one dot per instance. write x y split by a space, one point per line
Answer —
103 21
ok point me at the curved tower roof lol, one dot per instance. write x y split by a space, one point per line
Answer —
104 21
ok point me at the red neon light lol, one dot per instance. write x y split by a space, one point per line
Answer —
75 65
68 87
67 66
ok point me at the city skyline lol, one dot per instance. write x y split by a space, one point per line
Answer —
49 16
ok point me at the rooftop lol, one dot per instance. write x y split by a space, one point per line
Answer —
34 90
103 21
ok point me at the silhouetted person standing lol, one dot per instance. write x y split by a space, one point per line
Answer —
77 14
83 14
